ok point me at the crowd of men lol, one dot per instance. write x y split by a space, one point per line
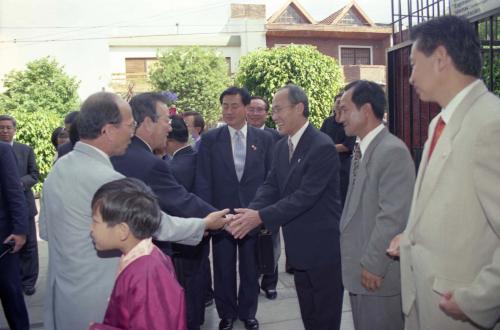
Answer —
413 251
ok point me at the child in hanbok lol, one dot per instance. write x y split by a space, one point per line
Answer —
146 294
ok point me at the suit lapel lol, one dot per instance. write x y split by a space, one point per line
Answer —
252 142
299 152
226 150
431 169
356 191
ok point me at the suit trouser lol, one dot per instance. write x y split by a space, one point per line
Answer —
270 281
376 313
229 303
320 294
11 293
29 256
190 270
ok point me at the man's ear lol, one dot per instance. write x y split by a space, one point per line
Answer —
443 59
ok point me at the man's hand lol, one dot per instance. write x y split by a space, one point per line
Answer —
370 281
245 221
393 249
450 307
216 220
19 241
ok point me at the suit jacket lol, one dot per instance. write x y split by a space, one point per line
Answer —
183 166
274 133
140 162
80 279
216 179
452 241
13 215
376 210
28 171
302 196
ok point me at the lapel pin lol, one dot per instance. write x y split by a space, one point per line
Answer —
298 160
253 147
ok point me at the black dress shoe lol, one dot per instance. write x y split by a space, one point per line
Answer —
29 290
271 294
251 324
226 324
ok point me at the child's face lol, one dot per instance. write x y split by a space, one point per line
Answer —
105 237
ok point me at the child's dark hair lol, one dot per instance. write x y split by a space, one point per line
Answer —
131 201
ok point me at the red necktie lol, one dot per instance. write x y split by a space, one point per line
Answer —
437 133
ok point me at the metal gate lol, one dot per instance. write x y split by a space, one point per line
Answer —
409 118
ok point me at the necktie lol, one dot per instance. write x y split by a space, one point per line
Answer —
355 161
290 149
239 154
437 133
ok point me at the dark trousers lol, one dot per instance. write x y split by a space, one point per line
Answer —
190 267
320 294
11 293
29 257
207 269
231 303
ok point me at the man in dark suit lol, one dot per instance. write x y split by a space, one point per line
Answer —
190 261
257 112
195 125
13 227
233 161
28 171
343 143
301 194
70 128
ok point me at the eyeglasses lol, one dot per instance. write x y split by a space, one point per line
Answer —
277 110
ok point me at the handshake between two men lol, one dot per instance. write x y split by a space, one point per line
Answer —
238 225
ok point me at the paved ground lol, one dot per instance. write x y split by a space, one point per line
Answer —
280 314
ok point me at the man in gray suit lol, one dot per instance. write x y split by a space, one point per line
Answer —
29 174
377 206
79 280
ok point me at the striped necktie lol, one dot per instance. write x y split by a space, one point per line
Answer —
290 149
239 154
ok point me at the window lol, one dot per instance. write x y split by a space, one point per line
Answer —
355 56
291 16
138 67
351 19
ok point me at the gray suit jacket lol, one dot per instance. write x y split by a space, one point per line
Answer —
376 209
79 280
28 171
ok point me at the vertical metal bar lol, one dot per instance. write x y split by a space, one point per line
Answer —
410 15
400 23
392 12
491 53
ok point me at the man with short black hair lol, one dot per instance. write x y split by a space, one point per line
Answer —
377 207
26 165
233 161
72 131
450 249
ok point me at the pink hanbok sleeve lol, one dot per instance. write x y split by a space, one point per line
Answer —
147 296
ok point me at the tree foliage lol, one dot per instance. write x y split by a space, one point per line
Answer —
196 75
38 98
264 71
43 85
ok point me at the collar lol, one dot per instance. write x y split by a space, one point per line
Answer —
450 108
175 152
150 149
243 131
365 142
296 137
143 248
263 126
96 149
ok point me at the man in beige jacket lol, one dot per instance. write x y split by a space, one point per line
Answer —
450 249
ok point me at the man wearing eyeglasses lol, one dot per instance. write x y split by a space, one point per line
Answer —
79 279
301 195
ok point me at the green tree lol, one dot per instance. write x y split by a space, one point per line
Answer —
43 85
196 75
264 71
39 97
